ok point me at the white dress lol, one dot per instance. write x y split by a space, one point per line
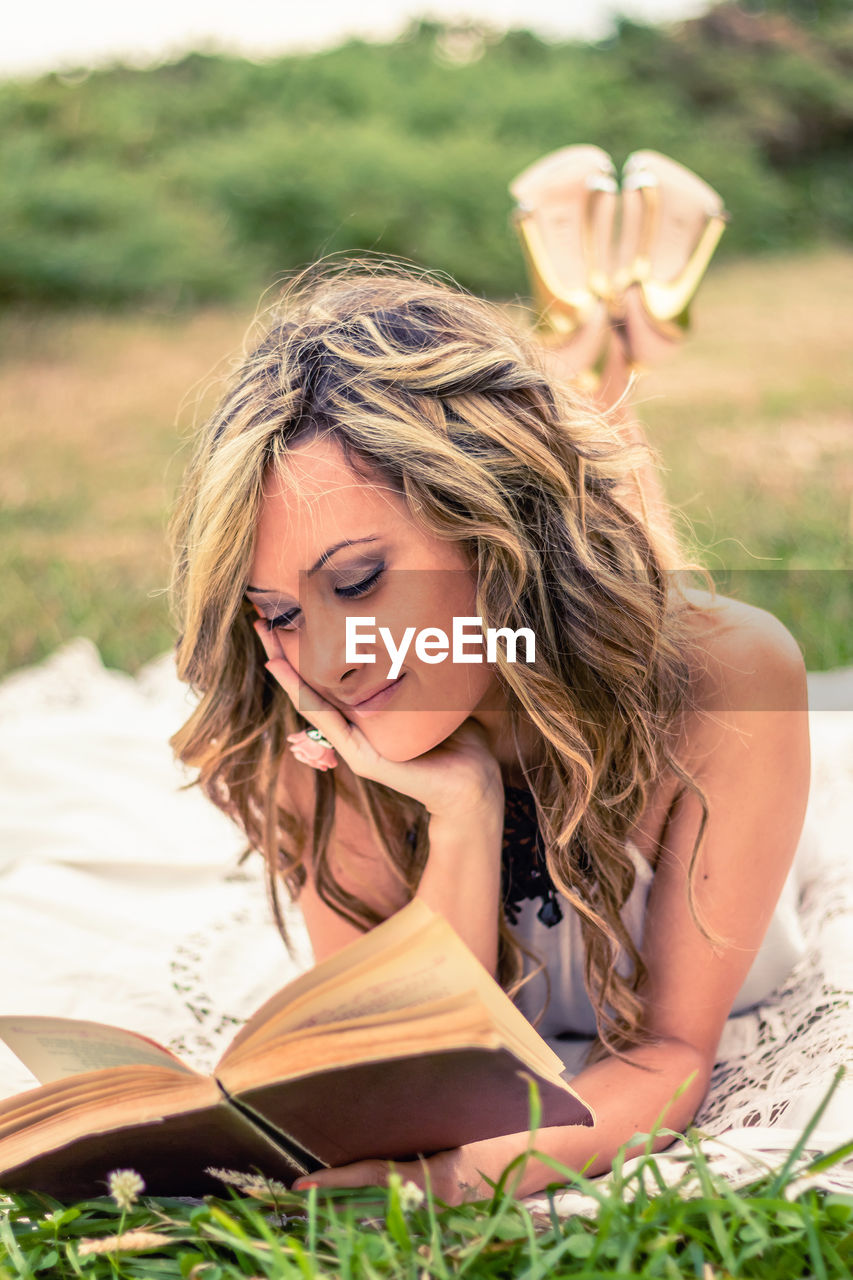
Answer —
569 1020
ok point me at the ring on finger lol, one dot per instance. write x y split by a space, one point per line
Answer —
316 736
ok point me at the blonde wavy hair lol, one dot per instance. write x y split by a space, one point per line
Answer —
445 398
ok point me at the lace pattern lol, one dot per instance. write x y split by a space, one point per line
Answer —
790 1041
524 872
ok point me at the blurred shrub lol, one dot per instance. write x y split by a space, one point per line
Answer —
207 177
77 232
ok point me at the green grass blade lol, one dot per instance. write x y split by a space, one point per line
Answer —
782 1177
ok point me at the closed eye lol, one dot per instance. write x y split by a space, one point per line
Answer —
357 589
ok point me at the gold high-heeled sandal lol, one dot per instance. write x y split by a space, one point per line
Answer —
588 290
564 216
671 224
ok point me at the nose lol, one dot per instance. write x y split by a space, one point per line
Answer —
321 655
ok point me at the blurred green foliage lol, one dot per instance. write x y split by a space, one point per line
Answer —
203 179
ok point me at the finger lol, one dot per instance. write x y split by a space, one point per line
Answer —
286 675
279 666
306 700
363 1173
268 638
347 739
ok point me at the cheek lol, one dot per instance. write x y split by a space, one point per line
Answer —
447 688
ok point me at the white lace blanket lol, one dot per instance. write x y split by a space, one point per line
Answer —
121 901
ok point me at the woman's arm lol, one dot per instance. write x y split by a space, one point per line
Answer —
460 786
461 879
750 754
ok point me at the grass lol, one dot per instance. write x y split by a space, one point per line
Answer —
751 418
641 1224
97 414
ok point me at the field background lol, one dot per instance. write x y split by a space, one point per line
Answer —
143 213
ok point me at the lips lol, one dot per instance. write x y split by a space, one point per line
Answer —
376 695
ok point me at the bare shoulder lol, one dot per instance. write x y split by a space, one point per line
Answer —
742 659
733 843
732 626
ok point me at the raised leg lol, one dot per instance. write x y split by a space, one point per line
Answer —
644 496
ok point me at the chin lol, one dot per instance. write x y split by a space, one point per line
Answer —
411 736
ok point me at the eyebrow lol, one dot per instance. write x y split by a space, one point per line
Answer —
327 554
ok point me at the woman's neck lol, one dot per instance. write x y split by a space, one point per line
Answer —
493 714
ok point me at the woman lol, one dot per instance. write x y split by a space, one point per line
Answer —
394 450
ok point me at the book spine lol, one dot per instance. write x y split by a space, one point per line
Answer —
304 1159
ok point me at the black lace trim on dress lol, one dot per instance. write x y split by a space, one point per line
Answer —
524 872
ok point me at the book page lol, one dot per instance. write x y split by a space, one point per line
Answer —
416 971
428 962
53 1048
398 928
410 974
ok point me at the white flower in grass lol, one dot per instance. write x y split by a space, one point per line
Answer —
125 1187
411 1196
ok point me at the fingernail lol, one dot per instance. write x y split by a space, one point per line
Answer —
304 1186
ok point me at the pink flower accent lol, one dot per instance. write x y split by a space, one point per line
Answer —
310 752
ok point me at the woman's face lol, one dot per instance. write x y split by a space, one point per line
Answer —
362 536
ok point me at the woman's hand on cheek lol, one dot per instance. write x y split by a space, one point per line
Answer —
455 777
346 738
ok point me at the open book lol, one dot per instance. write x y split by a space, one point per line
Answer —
399 1045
